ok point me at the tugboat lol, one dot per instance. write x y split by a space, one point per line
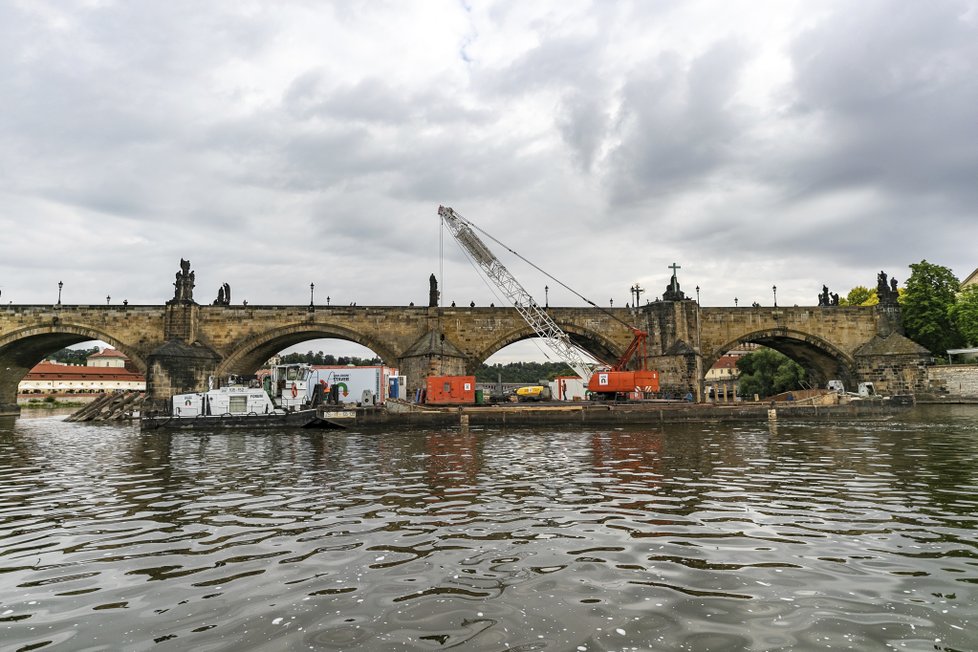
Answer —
284 397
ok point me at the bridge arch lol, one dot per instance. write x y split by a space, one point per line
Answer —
21 349
821 359
28 346
592 342
250 355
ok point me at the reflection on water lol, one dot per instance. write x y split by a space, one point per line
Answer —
698 537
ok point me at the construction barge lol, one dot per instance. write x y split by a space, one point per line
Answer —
398 415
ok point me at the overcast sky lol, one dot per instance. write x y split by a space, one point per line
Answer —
278 144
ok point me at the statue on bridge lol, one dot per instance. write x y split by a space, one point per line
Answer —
827 298
432 292
673 293
888 294
183 291
223 296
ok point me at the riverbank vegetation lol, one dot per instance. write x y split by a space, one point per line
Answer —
51 403
328 359
521 372
766 372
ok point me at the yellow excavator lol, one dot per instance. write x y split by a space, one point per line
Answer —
533 393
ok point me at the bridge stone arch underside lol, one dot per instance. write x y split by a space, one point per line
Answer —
250 355
821 360
22 349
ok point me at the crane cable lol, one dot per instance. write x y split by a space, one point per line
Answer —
492 289
503 300
548 275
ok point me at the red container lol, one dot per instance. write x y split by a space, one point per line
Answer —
450 390
624 382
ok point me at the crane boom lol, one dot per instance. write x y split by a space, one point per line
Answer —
541 323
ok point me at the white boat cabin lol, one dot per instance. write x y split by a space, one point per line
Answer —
223 400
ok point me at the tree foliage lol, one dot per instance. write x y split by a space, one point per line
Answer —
73 356
319 358
860 296
766 372
522 372
926 304
964 314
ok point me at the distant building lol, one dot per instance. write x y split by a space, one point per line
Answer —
106 371
722 378
724 369
107 358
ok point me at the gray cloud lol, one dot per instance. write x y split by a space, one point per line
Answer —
678 125
276 146
892 88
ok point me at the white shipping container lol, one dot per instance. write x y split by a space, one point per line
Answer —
568 388
353 381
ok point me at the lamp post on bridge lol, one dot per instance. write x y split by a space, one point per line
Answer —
546 296
697 295
60 285
327 299
312 294
774 288
108 299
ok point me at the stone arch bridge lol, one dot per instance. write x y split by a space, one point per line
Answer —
180 344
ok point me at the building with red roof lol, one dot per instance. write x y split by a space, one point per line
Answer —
110 372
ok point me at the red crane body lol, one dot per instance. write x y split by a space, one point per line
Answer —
618 380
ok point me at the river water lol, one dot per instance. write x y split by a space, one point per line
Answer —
801 536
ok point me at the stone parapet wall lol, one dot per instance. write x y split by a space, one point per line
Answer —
953 381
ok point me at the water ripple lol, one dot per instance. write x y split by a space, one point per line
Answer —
706 536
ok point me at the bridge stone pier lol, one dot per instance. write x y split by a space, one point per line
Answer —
181 344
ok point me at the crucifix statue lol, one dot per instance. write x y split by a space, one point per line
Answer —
673 293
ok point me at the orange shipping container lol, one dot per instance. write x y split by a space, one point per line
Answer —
450 390
624 382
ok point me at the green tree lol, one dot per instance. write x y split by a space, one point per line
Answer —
931 291
964 314
319 358
73 356
521 372
860 296
766 372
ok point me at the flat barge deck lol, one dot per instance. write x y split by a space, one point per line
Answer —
614 414
400 415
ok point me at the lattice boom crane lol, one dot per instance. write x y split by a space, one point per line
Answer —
541 323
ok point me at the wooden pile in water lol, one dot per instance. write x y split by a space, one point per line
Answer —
118 406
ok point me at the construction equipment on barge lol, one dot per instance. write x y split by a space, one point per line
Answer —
603 381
